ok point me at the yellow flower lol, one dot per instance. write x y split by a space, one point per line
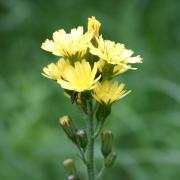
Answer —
121 68
73 44
55 71
93 26
117 69
115 54
80 77
107 92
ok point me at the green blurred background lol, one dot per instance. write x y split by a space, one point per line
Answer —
146 124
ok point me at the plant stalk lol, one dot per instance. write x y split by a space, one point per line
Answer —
90 148
101 173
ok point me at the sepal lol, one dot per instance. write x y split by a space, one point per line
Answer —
103 112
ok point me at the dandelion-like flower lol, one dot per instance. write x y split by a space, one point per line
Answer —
113 53
107 92
120 68
80 77
55 71
117 69
71 45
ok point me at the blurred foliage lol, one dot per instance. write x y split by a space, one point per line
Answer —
146 124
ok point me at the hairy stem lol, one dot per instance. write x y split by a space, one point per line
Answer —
90 148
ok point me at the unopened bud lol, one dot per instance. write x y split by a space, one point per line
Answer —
82 138
93 28
70 167
109 160
68 126
71 177
106 142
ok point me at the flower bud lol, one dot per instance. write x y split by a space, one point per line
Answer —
70 167
68 126
94 26
71 177
82 138
109 160
106 142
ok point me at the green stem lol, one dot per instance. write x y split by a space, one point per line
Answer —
101 173
90 148
82 155
98 129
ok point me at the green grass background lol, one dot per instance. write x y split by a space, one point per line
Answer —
146 124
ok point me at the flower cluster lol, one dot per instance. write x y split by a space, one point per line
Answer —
86 70
88 63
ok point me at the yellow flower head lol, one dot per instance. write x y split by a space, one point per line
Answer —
69 45
107 92
115 54
55 71
80 77
117 69
93 26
